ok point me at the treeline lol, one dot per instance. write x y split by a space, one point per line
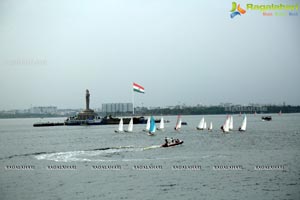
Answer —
204 110
27 115
283 109
219 110
184 111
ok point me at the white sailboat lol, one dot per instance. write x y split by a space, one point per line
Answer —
244 124
120 129
147 125
178 123
225 127
210 126
130 126
230 122
201 124
161 124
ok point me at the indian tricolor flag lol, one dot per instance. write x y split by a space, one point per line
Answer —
138 88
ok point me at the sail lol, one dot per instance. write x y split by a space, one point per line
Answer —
210 126
201 124
178 123
231 123
152 125
204 126
148 124
244 124
162 123
130 125
121 125
226 125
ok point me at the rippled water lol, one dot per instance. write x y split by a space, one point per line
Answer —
133 166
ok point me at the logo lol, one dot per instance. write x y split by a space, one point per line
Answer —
236 10
270 9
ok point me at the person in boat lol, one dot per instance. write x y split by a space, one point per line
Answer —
172 140
166 141
222 128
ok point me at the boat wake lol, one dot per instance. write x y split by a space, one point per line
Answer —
152 147
94 155
24 155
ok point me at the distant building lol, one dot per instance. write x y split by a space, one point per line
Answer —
113 108
68 112
225 104
43 110
154 108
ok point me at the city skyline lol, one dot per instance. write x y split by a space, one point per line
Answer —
183 105
180 52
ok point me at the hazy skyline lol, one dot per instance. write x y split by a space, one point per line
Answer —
188 52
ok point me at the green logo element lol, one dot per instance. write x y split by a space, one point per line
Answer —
236 10
233 7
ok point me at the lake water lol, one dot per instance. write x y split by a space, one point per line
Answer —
93 162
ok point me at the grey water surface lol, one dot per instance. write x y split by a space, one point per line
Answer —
94 162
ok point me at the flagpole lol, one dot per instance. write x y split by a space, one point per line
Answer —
132 102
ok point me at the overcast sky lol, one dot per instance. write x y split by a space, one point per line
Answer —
181 51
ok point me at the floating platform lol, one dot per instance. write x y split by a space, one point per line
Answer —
41 124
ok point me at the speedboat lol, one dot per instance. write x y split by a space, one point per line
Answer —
172 143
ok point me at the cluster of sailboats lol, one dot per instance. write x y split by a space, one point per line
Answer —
228 124
203 125
151 126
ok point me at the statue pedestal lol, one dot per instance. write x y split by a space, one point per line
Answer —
87 114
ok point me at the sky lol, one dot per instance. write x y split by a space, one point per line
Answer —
183 52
